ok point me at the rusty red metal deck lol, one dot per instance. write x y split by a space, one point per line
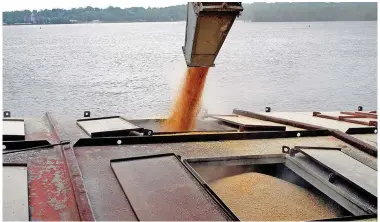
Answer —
70 182
51 194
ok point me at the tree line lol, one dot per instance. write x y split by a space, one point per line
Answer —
255 12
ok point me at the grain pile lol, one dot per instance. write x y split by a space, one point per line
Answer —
186 108
255 196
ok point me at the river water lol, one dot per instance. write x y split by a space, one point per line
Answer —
135 69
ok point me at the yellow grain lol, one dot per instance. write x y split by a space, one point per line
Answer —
255 196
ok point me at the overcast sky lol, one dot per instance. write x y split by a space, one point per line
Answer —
11 5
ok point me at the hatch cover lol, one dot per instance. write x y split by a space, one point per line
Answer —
246 124
15 193
346 167
160 188
13 129
107 126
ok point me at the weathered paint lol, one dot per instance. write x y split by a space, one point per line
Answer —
68 183
51 196
80 193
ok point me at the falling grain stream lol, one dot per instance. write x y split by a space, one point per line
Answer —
186 108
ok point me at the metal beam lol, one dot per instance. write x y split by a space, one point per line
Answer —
361 145
278 120
336 133
84 207
104 141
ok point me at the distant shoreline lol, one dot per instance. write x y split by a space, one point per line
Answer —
92 23
80 23
255 12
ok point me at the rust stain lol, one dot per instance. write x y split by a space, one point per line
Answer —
51 197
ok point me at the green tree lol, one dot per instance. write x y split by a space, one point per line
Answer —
257 12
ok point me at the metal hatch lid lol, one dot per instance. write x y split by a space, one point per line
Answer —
15 191
345 166
160 187
13 129
243 124
107 126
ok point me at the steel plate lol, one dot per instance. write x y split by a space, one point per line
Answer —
347 167
100 127
160 188
15 193
13 129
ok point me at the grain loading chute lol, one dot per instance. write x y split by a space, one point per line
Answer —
207 26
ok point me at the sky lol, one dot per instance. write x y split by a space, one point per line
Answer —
13 5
